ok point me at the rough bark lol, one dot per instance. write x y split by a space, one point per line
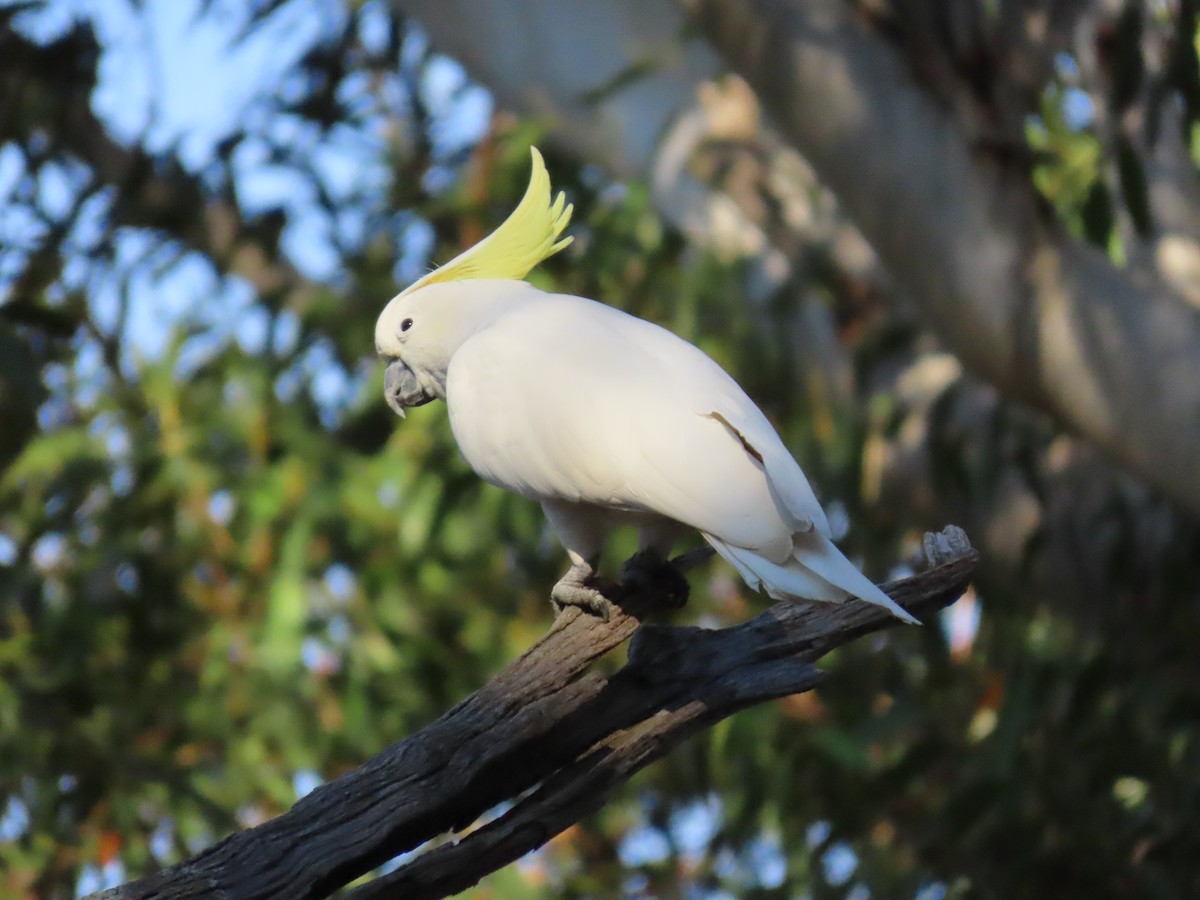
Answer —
548 724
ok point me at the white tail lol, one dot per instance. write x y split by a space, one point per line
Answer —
817 570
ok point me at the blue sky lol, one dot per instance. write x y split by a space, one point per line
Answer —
173 76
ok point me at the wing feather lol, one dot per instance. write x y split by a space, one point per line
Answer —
574 400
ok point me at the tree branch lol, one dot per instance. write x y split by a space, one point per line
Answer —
1109 352
544 722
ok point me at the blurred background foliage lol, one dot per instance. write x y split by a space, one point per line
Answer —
227 572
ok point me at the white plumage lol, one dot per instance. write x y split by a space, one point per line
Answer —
607 419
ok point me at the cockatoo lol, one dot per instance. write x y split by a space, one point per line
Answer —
604 419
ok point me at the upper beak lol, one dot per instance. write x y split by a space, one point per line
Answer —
401 388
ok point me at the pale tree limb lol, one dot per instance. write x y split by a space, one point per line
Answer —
1114 354
547 724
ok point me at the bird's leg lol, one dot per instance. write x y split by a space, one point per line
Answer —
580 528
573 590
650 570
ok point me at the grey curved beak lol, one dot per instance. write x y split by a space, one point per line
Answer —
401 388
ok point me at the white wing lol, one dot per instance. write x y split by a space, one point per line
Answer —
570 399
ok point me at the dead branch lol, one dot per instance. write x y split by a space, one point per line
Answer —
545 724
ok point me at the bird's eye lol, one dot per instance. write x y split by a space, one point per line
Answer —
406 324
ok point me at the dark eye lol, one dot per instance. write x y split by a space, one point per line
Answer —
406 324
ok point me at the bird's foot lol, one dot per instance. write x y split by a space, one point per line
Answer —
647 571
573 589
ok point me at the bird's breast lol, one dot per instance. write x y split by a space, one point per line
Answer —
518 428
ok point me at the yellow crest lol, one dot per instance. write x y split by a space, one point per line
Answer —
528 236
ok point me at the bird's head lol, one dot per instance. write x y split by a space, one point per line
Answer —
419 330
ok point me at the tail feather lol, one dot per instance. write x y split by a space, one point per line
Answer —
781 582
816 571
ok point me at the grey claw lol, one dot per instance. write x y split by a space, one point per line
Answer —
572 591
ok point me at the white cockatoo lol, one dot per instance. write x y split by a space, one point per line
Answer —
604 419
